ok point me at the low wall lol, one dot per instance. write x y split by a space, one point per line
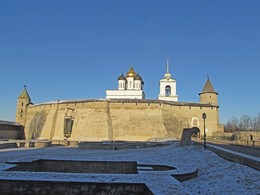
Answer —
55 187
232 156
64 142
8 145
25 143
248 143
186 176
71 166
119 145
247 135
221 136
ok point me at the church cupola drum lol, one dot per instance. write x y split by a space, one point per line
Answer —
129 87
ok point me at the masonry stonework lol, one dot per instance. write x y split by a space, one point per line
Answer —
130 120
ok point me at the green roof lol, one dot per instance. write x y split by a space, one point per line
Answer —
24 95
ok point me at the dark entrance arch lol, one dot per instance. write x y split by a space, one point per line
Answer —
195 132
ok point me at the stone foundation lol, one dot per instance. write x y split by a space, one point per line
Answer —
71 188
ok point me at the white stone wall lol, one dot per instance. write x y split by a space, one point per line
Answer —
168 98
125 94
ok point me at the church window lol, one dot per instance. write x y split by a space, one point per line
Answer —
22 103
168 90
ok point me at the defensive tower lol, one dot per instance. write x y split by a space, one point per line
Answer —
208 94
22 103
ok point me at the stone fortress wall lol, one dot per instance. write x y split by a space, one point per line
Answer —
128 120
11 130
118 117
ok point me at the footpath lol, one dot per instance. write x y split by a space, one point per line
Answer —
240 154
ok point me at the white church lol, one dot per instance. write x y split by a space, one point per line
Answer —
131 87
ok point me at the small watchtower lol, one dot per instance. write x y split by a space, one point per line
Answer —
22 103
208 94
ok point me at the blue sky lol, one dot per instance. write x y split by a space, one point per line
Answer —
77 49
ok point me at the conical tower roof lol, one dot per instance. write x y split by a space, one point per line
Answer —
208 87
24 95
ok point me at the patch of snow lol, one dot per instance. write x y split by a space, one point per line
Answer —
216 175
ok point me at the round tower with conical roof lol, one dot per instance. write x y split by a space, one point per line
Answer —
23 102
208 94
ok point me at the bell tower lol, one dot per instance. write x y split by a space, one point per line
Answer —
208 94
22 103
168 87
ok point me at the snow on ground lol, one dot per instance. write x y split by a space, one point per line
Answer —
216 175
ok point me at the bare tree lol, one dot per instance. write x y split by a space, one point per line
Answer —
256 122
232 125
245 123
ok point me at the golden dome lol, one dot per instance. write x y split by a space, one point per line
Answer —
131 73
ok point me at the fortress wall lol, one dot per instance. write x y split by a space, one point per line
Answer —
90 122
104 120
176 118
35 114
49 125
136 122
